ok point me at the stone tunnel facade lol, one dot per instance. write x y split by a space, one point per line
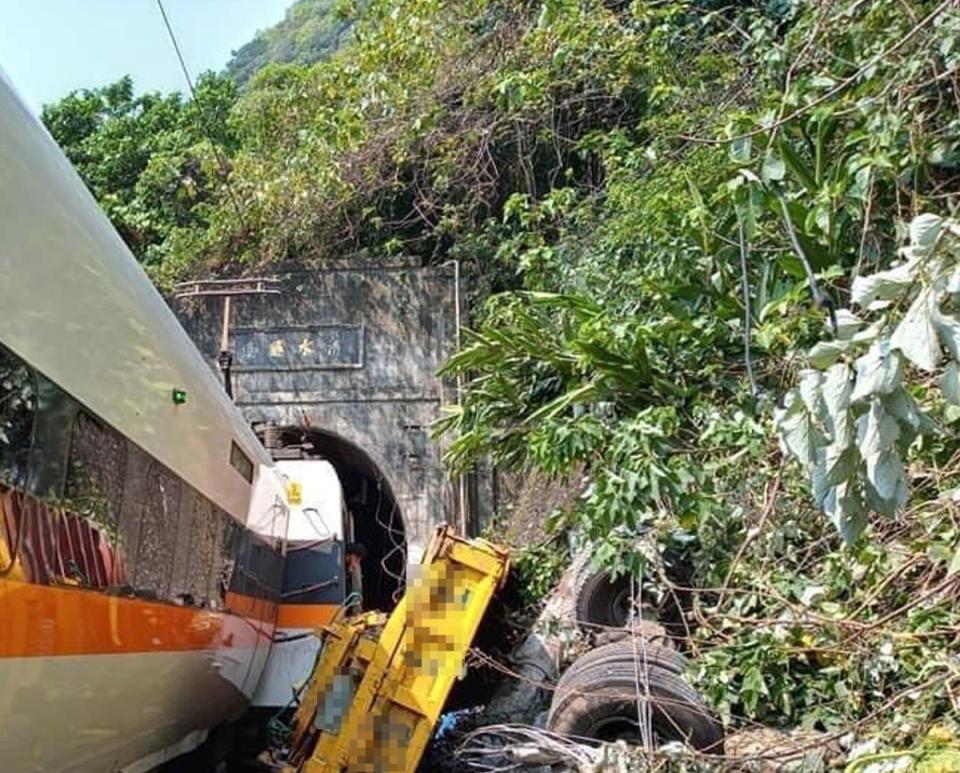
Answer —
352 352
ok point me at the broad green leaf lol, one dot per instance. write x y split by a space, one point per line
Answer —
879 372
948 330
826 353
797 166
883 285
903 408
950 383
953 283
925 229
740 149
583 393
826 128
887 478
578 303
821 486
845 508
848 324
797 430
877 431
916 335
840 463
811 383
870 334
773 168
837 388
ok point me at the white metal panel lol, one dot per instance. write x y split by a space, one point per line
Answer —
118 710
269 513
288 667
320 512
75 303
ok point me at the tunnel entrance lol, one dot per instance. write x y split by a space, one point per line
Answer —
373 515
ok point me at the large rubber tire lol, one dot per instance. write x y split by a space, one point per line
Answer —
597 698
604 601
623 650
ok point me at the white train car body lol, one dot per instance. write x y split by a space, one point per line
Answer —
141 534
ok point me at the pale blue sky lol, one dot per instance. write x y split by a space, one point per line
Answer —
50 47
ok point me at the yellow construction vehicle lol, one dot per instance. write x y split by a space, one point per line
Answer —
380 682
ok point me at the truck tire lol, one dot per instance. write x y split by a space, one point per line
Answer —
598 699
604 601
623 650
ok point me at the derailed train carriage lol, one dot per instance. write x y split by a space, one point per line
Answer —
142 524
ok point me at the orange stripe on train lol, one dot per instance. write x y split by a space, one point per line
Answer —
305 615
42 620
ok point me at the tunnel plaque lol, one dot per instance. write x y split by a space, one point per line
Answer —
312 347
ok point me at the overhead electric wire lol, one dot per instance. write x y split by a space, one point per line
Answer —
221 159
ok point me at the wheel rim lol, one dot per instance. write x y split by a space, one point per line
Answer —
617 728
620 607
622 727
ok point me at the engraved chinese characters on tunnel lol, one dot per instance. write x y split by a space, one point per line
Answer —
315 347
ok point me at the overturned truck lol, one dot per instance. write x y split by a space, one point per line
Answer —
381 682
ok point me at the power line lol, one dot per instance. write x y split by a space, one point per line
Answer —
221 159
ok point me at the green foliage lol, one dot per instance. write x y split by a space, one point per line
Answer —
536 571
18 405
822 638
413 137
792 145
852 421
150 160
311 30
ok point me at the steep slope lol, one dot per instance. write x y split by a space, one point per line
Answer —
310 31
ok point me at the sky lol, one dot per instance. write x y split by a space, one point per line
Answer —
48 48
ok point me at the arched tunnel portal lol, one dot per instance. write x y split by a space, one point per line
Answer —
373 512
346 358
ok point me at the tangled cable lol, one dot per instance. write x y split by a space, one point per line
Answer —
397 543
512 747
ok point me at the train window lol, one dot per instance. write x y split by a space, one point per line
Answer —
199 530
241 462
96 468
89 547
180 590
157 510
56 412
230 566
18 407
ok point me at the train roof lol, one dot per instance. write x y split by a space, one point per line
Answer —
76 304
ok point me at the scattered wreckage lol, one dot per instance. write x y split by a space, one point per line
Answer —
596 686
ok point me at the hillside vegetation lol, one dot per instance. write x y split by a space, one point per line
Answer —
310 31
671 215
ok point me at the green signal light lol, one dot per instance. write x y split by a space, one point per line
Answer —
179 396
